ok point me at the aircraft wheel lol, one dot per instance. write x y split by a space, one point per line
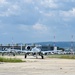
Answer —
2 54
13 54
42 57
25 55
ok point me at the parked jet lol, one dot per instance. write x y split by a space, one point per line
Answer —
29 50
8 51
33 51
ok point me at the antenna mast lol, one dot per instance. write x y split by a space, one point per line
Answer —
54 41
72 45
12 43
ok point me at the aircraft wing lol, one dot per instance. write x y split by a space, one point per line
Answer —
3 51
45 52
26 51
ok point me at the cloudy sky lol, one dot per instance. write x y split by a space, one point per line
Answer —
29 21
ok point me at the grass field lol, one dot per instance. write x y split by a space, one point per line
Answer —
2 59
5 59
62 56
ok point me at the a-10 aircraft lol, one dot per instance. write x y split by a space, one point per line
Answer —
7 51
34 52
28 51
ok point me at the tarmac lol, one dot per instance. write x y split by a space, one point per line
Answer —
33 66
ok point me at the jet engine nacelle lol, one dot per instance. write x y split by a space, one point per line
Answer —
28 48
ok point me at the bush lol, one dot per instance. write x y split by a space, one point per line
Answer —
10 60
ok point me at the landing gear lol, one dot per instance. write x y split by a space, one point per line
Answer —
2 54
8 53
41 54
13 54
35 55
42 57
25 55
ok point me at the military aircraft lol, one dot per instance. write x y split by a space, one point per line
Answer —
7 51
29 50
10 51
33 51
36 50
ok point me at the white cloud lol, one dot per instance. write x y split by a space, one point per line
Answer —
49 3
11 10
47 14
34 17
3 2
39 27
69 0
70 13
28 1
